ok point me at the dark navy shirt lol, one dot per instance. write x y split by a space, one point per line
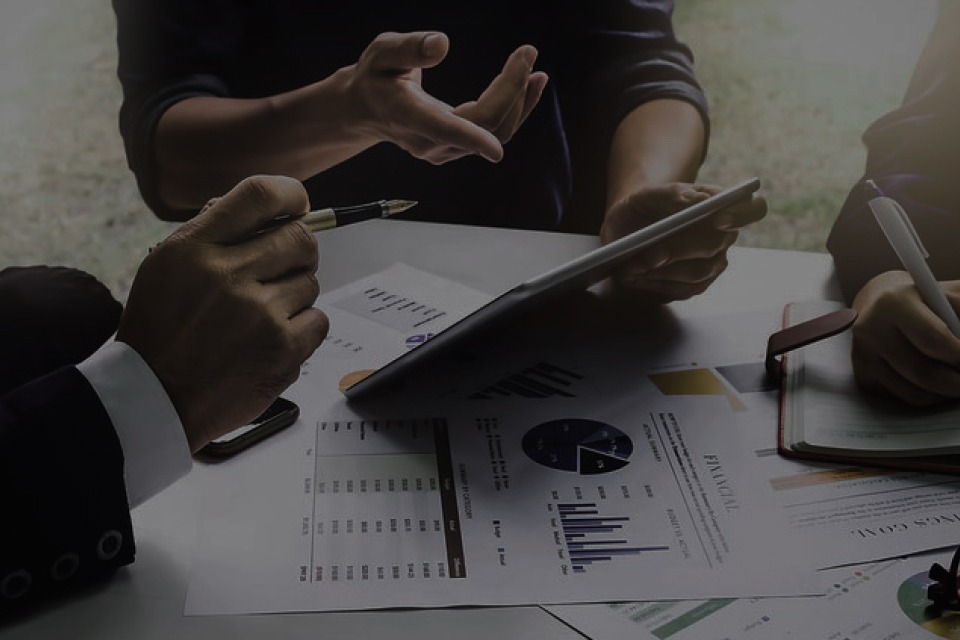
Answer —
604 59
913 155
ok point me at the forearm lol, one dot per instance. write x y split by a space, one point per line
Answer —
660 141
205 145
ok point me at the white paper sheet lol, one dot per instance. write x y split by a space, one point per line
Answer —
515 504
263 511
507 501
845 514
877 601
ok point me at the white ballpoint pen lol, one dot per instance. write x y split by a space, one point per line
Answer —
906 243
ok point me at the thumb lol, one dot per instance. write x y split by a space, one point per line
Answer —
403 51
248 207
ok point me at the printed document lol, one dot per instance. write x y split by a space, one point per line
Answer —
845 514
493 498
877 601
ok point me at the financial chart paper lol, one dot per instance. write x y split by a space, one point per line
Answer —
494 500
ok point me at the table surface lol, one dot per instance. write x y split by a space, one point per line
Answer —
145 600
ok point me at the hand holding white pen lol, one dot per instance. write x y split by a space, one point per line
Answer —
905 341
906 243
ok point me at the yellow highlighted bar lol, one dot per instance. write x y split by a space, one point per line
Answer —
824 477
695 382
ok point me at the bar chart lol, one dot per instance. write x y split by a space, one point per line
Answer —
593 538
541 380
393 310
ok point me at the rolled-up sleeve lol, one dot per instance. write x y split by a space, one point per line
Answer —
613 57
169 50
639 59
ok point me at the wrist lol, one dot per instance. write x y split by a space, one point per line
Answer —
353 105
323 123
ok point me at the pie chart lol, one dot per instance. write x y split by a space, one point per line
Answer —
912 597
578 445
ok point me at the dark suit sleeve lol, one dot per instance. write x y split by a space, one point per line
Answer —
65 515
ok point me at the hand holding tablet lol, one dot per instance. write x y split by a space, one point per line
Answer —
577 274
686 264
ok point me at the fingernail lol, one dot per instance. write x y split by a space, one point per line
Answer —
431 45
531 57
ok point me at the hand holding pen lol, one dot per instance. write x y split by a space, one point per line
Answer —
896 226
332 217
905 340
224 316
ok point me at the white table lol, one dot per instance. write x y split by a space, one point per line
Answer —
145 600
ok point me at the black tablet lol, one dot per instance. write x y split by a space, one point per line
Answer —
579 273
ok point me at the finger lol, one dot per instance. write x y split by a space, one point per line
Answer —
952 289
880 376
397 52
923 371
535 86
506 91
430 124
309 328
430 150
694 271
656 203
645 206
442 155
662 291
288 249
930 375
293 294
741 214
930 336
249 206
210 203
509 124
688 246
521 109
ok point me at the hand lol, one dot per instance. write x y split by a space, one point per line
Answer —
686 264
393 106
223 316
900 346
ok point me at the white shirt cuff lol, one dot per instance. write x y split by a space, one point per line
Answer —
155 449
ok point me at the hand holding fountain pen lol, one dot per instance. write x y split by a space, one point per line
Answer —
331 217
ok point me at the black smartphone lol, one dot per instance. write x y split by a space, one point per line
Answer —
279 415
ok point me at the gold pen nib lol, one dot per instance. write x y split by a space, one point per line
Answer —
396 206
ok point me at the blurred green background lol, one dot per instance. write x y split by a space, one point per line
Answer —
792 85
